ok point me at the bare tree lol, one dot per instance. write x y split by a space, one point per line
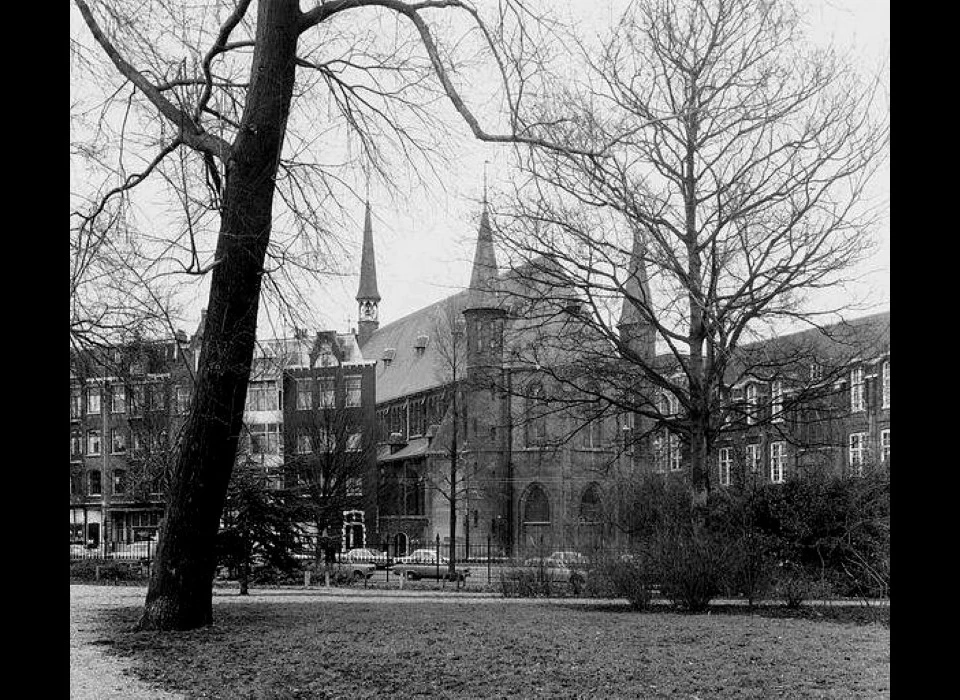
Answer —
326 468
735 186
219 86
449 336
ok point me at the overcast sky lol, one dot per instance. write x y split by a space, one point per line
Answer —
424 245
424 236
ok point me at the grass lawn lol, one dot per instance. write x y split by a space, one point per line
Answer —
334 649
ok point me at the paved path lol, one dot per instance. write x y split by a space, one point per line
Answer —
95 674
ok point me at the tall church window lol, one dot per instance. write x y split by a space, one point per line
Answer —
536 419
590 505
536 507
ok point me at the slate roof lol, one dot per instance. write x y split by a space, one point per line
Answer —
412 371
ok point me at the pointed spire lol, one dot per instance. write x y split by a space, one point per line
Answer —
484 282
368 265
637 286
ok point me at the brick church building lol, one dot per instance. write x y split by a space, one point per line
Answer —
531 477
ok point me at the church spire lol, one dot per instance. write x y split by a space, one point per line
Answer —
484 284
368 298
635 327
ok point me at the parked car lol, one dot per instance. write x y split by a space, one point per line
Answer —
424 563
562 566
357 570
369 556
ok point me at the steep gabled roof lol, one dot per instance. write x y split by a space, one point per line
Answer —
412 370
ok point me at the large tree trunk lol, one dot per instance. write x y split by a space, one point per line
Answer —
180 593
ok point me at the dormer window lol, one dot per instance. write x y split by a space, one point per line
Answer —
388 355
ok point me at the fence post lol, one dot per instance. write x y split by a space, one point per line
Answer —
438 555
488 558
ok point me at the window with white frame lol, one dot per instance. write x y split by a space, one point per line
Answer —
724 461
354 486
858 452
138 443
816 371
265 439
753 457
352 387
76 403
76 443
885 383
752 400
675 455
304 393
325 440
118 399
660 452
328 396
885 445
354 442
93 400
183 397
670 404
856 390
155 398
118 441
778 452
93 442
304 446
119 481
138 399
263 396
776 401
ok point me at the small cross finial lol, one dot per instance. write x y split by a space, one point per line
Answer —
485 181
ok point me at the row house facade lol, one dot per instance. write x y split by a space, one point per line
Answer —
126 407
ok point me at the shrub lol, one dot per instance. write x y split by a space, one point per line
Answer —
540 581
751 566
339 576
113 571
519 582
795 585
84 569
274 576
624 579
689 565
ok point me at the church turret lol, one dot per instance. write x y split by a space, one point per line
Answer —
368 298
487 405
483 309
635 325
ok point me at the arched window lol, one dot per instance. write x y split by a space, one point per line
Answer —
536 507
590 504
